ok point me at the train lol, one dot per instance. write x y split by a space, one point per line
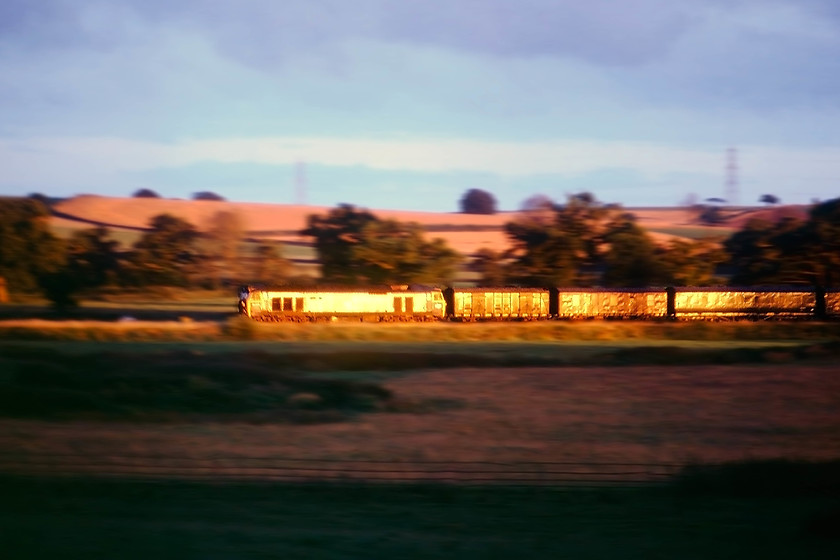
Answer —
404 303
332 303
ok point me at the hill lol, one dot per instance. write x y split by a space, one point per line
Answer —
466 233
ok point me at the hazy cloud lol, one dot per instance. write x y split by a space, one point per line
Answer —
527 88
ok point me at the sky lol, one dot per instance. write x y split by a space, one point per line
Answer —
407 104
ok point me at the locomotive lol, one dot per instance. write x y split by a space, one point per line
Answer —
386 303
424 303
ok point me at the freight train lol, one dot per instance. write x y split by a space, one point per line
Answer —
423 303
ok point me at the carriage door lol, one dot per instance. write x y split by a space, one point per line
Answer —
526 305
409 305
398 307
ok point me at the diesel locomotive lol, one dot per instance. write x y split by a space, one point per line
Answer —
387 303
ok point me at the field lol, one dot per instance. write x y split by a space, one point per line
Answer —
596 439
135 519
164 425
466 233
126 219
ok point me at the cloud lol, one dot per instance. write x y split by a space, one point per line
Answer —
265 31
95 91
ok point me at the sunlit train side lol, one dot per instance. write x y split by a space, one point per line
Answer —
728 303
394 303
596 303
831 304
497 304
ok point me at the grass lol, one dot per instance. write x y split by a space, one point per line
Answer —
175 386
212 318
240 402
54 518
377 355
407 405
544 331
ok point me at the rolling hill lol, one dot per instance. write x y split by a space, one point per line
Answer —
466 233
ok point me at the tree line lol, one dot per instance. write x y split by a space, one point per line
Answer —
171 252
582 242
587 243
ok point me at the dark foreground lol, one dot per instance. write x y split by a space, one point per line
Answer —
96 518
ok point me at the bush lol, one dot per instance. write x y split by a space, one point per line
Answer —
477 201
145 193
207 195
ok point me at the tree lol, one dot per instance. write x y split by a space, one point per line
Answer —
477 201
490 267
91 260
207 195
811 253
389 252
356 247
630 258
537 203
145 193
562 245
269 265
336 234
691 263
221 246
755 254
42 198
539 254
165 255
28 249
441 262
790 251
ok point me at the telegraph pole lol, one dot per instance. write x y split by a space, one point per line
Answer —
731 186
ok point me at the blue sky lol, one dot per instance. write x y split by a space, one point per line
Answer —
407 104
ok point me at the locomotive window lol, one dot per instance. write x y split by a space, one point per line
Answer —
287 304
276 304
409 305
398 305
299 304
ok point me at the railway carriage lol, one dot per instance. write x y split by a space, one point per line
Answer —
394 303
832 304
595 303
727 303
483 304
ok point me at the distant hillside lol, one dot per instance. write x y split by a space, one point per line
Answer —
464 232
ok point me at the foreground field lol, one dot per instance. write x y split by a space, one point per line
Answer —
364 449
131 519
168 408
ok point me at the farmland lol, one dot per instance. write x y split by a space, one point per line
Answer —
543 441
162 424
127 218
